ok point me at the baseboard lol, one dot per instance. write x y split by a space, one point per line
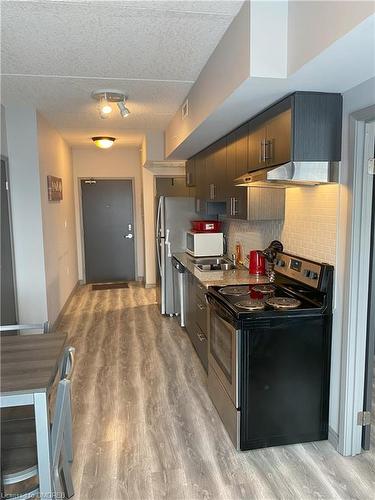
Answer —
140 278
333 437
65 306
150 285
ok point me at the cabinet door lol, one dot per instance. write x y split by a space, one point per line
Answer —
256 148
201 182
209 188
237 154
190 173
279 131
242 147
220 170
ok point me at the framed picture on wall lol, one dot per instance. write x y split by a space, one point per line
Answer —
54 188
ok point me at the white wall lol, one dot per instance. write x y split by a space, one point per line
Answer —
269 38
355 99
22 142
226 69
149 193
59 234
115 163
314 25
3 143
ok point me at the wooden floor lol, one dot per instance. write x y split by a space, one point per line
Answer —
145 428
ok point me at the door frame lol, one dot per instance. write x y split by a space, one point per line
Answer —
81 227
355 286
5 159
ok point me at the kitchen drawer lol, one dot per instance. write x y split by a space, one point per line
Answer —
201 314
200 344
200 291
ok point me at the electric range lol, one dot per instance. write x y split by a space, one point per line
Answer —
269 355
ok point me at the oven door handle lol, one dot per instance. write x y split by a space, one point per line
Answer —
218 308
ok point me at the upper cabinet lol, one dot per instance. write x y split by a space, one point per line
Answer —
302 127
305 126
190 173
237 161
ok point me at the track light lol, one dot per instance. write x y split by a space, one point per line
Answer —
103 142
105 97
123 109
104 108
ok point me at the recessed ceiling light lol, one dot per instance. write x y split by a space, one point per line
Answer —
103 142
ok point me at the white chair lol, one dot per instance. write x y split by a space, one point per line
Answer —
19 455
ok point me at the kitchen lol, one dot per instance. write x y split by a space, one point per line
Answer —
230 355
246 175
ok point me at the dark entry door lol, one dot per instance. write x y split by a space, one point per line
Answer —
8 296
108 227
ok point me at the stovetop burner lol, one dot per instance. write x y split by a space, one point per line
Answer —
264 289
283 303
250 305
235 291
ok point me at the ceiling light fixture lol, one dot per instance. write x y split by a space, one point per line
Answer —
104 107
105 97
124 111
103 142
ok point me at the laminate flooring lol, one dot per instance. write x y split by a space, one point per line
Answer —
145 428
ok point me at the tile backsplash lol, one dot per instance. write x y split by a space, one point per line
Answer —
308 230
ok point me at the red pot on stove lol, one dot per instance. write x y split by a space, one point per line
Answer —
257 262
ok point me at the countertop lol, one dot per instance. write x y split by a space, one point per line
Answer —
239 276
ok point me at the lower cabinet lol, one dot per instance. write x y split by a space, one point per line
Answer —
196 318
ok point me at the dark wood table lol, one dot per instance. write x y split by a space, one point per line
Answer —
29 364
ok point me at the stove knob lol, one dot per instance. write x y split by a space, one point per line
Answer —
313 276
306 273
280 263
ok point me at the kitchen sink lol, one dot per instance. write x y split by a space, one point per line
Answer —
213 264
211 261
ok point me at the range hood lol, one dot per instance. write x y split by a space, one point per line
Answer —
294 173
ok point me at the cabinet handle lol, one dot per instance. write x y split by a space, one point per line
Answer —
231 207
188 179
269 149
201 337
261 152
201 306
212 191
235 209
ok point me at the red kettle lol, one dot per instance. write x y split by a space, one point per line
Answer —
257 262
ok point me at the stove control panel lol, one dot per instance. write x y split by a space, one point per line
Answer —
302 270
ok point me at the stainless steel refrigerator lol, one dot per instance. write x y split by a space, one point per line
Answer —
174 216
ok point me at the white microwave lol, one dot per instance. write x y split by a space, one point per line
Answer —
204 244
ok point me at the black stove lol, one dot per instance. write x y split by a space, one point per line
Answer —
302 290
269 355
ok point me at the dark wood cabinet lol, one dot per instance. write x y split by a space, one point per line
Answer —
190 173
237 158
278 139
256 148
196 318
201 182
304 126
216 165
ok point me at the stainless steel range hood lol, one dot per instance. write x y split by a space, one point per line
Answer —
295 173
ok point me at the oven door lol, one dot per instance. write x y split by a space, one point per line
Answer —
224 349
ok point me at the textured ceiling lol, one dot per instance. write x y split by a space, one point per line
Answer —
152 51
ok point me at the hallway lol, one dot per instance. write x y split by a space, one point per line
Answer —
145 428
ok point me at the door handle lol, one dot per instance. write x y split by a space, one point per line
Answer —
128 236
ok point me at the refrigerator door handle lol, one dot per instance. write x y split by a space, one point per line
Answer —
158 245
168 243
158 219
